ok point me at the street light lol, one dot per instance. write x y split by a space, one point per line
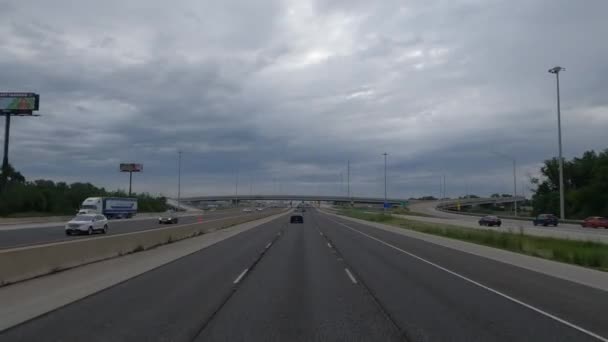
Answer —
179 178
514 179
385 154
348 182
236 189
562 213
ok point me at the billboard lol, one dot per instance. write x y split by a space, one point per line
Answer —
23 103
131 167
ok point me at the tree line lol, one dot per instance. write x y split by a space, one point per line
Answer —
17 195
585 186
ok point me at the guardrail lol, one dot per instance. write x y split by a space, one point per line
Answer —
23 263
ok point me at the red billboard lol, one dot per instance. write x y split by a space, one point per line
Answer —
131 167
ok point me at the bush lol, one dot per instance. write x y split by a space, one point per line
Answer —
47 197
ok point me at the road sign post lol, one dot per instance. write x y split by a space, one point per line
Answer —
130 168
7 129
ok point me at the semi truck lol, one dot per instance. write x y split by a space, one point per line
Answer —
110 207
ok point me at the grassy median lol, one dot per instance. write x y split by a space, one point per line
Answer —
583 253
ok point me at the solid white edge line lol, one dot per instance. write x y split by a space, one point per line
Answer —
329 245
350 275
533 308
268 245
238 279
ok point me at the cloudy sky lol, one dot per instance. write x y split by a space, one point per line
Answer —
284 93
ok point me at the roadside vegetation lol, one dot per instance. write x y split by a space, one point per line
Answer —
21 198
586 186
406 211
582 253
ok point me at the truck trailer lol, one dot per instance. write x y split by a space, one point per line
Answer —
110 207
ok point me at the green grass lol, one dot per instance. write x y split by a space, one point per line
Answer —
405 211
583 253
397 211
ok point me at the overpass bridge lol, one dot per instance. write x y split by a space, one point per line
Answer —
444 204
452 203
337 199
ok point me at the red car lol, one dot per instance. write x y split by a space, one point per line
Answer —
595 222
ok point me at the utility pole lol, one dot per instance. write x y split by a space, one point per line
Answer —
562 210
179 179
385 154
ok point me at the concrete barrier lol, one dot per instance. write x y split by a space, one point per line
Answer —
23 263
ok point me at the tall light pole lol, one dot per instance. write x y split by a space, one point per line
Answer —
385 154
236 189
514 187
348 181
179 178
440 197
514 179
562 212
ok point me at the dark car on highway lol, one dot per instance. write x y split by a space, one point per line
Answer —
595 222
296 219
490 221
168 217
545 220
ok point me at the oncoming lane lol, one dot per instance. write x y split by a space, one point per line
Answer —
170 303
563 230
32 236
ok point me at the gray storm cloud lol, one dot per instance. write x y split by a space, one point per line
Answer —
285 92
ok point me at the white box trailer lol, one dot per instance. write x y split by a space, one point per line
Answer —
110 207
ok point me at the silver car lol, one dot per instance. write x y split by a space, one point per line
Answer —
89 224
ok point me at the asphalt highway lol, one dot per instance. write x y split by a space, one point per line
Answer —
10 238
563 230
329 279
